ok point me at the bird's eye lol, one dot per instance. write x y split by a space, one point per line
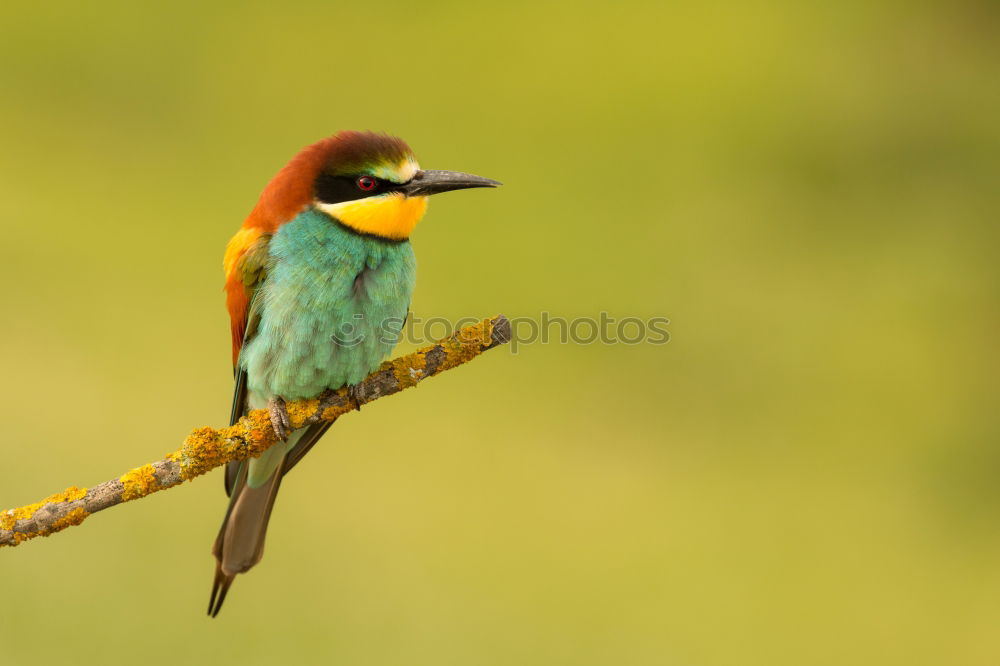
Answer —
366 183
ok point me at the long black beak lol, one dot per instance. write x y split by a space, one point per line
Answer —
433 182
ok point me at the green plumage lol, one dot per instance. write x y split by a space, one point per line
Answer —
333 304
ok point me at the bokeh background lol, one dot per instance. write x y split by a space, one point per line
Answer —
806 474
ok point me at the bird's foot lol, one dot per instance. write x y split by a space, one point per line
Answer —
355 393
279 417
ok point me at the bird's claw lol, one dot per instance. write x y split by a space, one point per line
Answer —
279 417
355 393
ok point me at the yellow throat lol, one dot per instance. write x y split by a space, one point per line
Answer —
389 216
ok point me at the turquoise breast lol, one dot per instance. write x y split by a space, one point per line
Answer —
334 303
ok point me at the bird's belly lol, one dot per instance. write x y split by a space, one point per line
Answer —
324 327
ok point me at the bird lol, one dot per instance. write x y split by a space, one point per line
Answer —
318 285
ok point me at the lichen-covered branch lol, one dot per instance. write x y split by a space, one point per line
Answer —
208 448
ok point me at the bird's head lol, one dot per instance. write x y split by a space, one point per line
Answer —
368 182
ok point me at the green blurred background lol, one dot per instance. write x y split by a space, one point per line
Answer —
806 474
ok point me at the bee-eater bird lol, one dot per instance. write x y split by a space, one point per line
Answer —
318 284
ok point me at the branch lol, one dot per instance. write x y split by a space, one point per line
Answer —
208 448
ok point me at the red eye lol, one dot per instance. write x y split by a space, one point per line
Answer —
367 183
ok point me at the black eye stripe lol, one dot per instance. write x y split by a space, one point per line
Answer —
335 189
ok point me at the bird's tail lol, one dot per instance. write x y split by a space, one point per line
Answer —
252 486
240 543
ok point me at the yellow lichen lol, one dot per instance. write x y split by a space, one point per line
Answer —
207 448
466 344
202 450
301 410
9 518
138 482
461 347
409 370
331 413
74 517
255 435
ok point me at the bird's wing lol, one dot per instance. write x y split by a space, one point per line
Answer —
240 542
246 271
